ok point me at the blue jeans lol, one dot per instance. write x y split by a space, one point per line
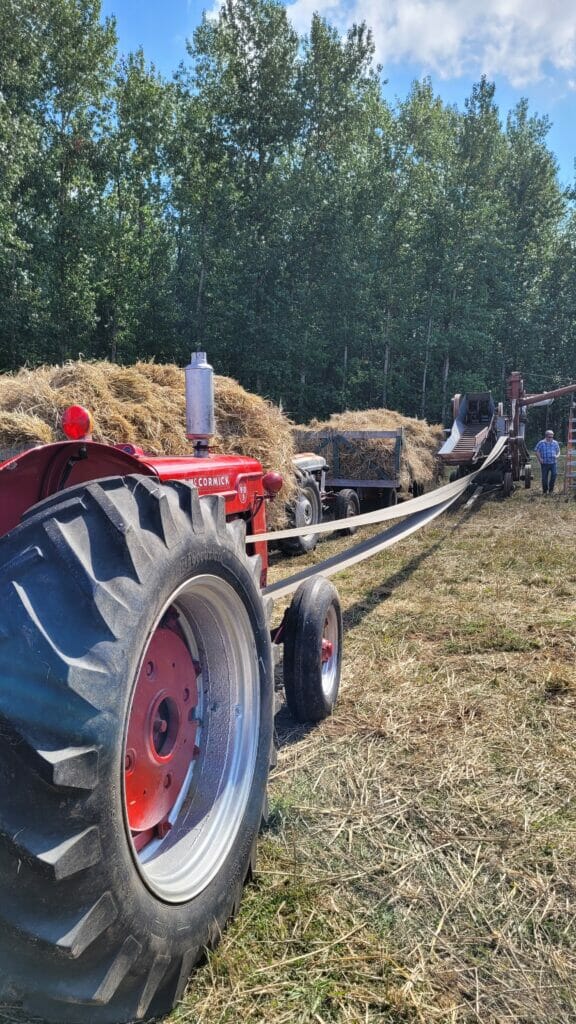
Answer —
549 473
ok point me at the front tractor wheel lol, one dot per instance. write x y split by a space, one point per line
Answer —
135 735
313 650
306 511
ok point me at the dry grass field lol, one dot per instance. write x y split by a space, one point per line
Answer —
419 864
420 860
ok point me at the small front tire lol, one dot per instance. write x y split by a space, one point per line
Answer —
313 650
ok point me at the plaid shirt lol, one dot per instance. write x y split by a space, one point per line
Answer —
548 451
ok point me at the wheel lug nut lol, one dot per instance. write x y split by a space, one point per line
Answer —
167 781
149 668
186 695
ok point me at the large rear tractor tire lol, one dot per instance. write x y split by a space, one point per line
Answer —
307 511
313 650
136 714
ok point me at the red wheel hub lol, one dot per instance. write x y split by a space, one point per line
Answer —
327 650
161 735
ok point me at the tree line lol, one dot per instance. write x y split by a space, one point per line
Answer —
327 248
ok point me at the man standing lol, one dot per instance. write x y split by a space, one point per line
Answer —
547 451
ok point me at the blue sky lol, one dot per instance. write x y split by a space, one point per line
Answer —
527 47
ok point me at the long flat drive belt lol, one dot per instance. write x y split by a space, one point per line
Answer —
416 514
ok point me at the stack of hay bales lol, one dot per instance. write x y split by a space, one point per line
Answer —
365 458
144 405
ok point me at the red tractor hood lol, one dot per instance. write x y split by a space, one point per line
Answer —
40 472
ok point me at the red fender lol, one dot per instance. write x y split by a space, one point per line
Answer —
40 472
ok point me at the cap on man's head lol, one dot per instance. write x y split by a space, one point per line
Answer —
549 433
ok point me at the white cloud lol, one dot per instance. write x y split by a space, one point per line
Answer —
523 40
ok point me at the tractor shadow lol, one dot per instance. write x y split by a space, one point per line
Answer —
287 731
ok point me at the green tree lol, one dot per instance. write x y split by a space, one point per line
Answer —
135 271
21 81
331 240
534 210
237 122
61 105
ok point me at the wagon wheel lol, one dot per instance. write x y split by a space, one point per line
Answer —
346 505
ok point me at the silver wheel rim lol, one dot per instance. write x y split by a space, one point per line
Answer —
306 515
330 667
208 812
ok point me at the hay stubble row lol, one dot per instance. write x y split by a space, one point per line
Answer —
420 861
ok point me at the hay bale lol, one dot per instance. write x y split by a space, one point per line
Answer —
164 375
365 459
19 431
29 391
14 393
145 404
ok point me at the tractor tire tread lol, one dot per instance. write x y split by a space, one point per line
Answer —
344 499
71 940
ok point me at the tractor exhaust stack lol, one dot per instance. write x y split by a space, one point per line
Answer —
199 403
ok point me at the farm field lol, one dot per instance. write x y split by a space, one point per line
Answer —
419 862
420 858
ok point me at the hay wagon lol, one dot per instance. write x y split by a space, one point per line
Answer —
345 472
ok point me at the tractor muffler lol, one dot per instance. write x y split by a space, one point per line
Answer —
200 403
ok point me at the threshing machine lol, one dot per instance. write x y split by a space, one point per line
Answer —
478 422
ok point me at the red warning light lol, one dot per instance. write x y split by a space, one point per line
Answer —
273 482
77 423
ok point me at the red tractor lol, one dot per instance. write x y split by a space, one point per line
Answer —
136 711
